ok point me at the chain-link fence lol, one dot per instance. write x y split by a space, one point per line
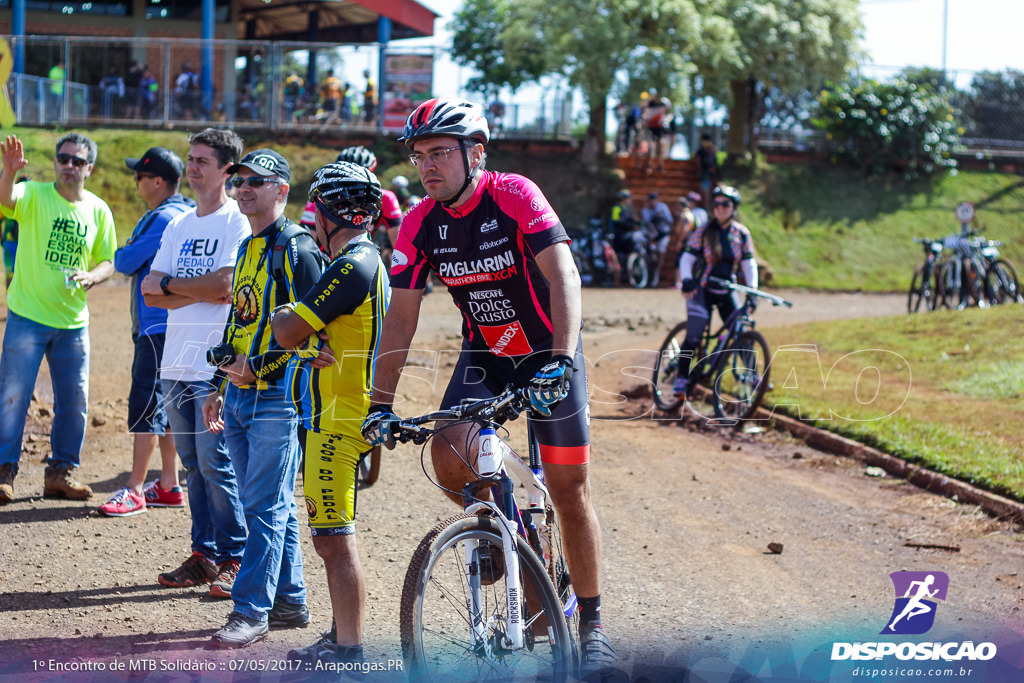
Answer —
305 87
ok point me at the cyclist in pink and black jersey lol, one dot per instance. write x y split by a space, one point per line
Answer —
495 241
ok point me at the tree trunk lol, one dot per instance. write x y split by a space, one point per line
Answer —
593 144
744 114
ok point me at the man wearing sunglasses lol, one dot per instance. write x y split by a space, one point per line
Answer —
191 278
498 245
157 177
66 245
255 412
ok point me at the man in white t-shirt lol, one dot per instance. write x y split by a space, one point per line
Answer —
191 277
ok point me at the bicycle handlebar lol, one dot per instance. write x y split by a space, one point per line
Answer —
776 300
507 405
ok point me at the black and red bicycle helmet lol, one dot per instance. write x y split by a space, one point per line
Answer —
453 117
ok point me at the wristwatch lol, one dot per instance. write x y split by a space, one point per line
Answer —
163 284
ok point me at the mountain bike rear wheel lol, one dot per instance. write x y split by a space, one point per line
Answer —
742 378
369 467
438 640
636 270
666 369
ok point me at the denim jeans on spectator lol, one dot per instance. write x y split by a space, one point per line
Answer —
218 525
67 354
260 427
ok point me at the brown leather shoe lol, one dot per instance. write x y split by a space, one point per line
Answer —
6 484
60 482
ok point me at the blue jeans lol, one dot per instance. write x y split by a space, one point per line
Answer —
218 525
67 353
260 428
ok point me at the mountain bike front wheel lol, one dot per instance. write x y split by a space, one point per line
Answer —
921 296
1001 284
742 378
439 639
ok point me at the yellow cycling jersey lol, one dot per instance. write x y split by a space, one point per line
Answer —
255 294
348 303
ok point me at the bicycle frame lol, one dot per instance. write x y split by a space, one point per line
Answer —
498 468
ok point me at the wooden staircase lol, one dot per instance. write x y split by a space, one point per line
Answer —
678 178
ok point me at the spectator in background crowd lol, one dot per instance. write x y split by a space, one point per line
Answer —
66 243
681 228
112 89
707 167
657 218
157 177
657 119
186 93
191 277
369 98
330 91
150 93
294 87
696 204
55 92
133 90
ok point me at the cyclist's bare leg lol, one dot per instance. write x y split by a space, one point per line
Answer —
569 486
446 453
347 584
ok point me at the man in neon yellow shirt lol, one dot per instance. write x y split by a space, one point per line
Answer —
66 245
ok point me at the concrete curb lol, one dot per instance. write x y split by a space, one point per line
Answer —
995 505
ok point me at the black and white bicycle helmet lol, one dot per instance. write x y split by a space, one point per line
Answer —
454 117
347 193
729 192
359 155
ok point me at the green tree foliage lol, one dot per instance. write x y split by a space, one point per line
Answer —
784 45
881 127
994 107
587 41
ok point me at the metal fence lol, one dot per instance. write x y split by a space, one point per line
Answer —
246 84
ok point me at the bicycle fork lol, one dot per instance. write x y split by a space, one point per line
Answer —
490 455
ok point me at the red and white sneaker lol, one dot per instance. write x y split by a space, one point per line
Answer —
124 503
159 497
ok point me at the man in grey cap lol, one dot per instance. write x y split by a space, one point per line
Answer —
157 177
276 266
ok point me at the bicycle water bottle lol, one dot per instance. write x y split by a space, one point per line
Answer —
489 459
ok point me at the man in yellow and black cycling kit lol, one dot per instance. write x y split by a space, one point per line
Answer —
343 313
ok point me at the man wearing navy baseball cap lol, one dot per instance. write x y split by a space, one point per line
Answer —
160 162
276 266
264 162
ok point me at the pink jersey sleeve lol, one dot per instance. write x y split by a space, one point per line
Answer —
390 211
308 215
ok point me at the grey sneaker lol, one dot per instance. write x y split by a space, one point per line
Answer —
326 651
239 632
596 653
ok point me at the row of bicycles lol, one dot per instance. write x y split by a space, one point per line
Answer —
599 264
962 270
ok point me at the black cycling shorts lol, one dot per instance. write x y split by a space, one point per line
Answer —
480 374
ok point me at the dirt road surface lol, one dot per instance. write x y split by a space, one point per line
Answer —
691 590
